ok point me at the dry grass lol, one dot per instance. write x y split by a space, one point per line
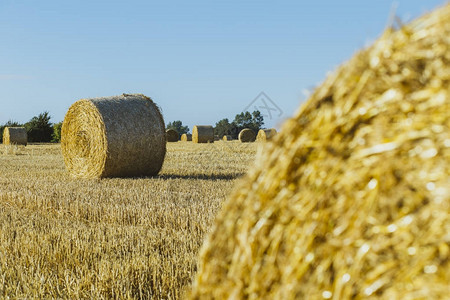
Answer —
124 238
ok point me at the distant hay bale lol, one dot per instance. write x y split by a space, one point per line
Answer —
227 138
247 135
203 134
265 134
172 135
15 136
216 138
352 200
186 137
119 136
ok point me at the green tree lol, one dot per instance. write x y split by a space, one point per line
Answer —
257 121
246 119
10 123
178 127
56 135
223 127
39 128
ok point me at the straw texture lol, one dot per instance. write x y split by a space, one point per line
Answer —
119 136
203 134
15 136
247 135
172 135
351 200
186 137
265 134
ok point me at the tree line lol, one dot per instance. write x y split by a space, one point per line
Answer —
253 120
41 130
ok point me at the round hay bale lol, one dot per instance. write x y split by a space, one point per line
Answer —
203 134
352 200
227 138
266 134
119 136
15 136
247 135
186 137
172 135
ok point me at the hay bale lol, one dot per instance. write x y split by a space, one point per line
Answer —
266 134
203 134
15 136
227 138
352 200
247 135
186 137
119 136
216 138
172 135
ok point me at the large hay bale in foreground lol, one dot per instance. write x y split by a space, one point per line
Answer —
172 135
266 134
117 136
15 136
247 135
227 138
203 134
352 200
186 137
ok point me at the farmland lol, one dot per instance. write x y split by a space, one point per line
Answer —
111 238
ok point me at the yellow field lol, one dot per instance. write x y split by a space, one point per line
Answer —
110 238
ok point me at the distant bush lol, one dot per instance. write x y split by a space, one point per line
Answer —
39 128
253 120
178 127
223 127
56 135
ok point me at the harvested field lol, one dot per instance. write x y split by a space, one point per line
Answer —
128 238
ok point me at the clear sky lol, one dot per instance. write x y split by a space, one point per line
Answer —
201 61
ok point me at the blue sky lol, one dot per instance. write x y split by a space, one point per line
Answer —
201 61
